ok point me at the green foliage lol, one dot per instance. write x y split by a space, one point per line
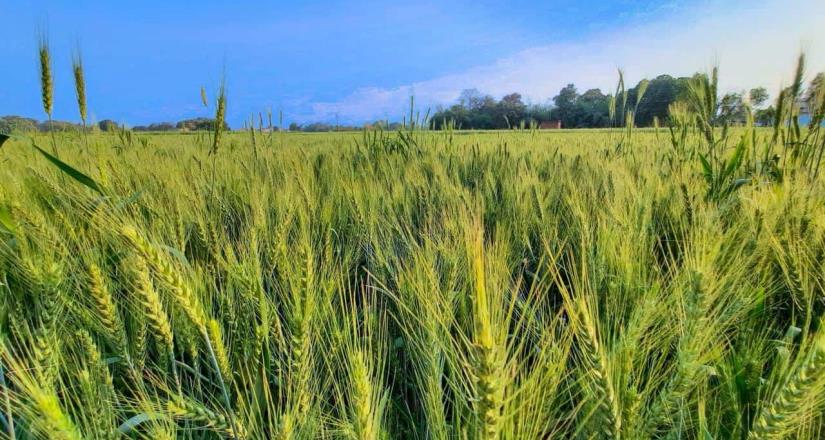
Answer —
155 126
758 96
661 92
765 117
721 176
199 124
732 110
587 110
477 111
590 109
107 125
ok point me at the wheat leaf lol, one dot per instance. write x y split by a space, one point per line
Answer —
71 171
129 425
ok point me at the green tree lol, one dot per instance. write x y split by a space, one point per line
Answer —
511 109
17 124
661 92
732 109
197 124
471 99
107 125
758 96
592 109
814 86
765 116
565 106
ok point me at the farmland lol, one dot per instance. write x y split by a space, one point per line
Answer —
412 284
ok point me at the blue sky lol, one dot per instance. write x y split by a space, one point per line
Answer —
360 60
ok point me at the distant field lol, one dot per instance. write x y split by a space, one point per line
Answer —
618 283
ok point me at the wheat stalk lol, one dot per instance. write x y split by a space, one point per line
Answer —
220 118
80 86
91 353
185 299
286 429
80 90
39 401
788 409
46 351
46 83
150 301
171 279
98 388
489 357
106 310
138 335
364 413
598 370
216 336
55 422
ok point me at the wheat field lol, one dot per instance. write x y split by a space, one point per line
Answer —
521 284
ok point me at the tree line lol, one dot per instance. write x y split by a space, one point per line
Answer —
591 109
474 110
19 124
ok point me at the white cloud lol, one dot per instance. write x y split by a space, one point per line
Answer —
753 45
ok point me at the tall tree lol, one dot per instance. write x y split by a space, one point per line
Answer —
565 105
758 96
470 99
732 109
592 109
661 92
511 109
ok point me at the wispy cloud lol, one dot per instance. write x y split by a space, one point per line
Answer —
753 45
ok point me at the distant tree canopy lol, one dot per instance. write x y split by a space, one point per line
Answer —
198 124
732 109
815 86
384 125
107 125
17 124
158 126
474 110
477 111
758 96
661 92
590 109
59 126
317 127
